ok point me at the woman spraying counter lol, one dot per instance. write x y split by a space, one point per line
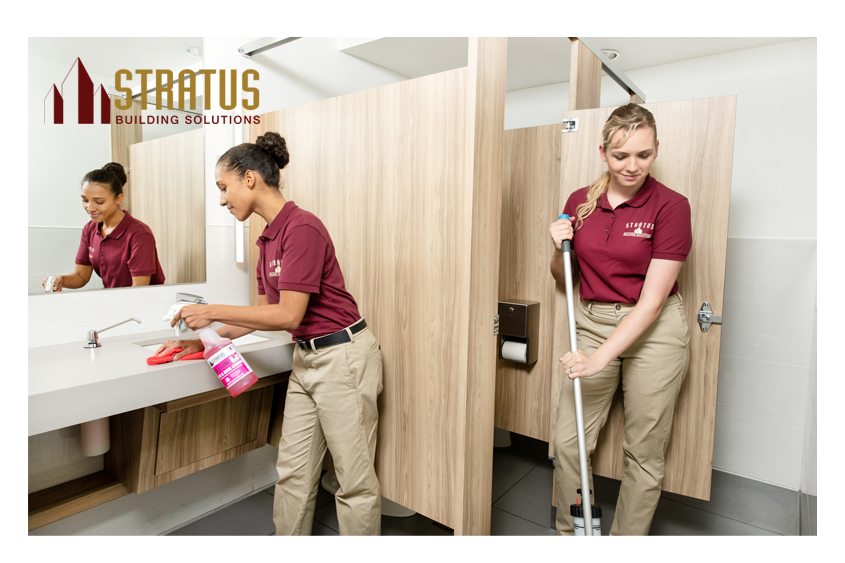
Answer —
337 366
115 245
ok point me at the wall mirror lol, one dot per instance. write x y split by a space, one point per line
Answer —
161 151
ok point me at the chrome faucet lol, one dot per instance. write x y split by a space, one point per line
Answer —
191 298
93 335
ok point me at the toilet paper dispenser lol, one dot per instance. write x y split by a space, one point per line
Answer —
519 329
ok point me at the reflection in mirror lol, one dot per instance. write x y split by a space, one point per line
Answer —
141 220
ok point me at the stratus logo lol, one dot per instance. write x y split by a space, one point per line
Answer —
76 101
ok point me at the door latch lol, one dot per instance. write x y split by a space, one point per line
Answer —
706 317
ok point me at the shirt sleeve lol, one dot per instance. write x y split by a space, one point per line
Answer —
142 255
303 257
673 233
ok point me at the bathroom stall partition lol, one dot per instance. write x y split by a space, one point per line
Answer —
167 194
543 166
407 179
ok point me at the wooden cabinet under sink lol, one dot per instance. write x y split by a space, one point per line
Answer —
155 445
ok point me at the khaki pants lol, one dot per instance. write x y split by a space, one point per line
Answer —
331 401
652 370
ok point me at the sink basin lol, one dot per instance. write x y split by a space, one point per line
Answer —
247 339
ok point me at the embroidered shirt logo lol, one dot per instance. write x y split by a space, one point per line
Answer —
278 268
638 230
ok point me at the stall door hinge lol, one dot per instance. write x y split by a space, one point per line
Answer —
495 324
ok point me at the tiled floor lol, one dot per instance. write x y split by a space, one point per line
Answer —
522 489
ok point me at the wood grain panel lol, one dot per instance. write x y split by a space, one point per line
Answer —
486 74
216 394
190 435
73 497
385 170
584 78
695 159
169 197
390 172
259 420
277 414
530 202
122 136
131 458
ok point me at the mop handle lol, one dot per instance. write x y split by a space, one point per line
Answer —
566 248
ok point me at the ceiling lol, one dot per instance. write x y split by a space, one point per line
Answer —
537 61
106 55
532 61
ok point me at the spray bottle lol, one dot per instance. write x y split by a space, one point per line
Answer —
577 512
226 362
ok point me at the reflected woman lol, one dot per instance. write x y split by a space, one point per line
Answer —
115 245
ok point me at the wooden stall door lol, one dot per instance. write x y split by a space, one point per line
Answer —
695 159
406 178
168 196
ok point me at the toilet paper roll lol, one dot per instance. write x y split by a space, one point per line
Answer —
515 351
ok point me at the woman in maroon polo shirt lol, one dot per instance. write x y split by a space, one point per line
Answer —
631 236
115 245
336 375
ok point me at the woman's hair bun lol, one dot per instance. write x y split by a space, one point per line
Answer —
274 144
116 169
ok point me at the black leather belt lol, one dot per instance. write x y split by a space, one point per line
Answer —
339 337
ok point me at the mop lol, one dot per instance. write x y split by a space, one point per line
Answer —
566 248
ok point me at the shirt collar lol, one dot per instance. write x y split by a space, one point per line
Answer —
272 230
120 229
638 200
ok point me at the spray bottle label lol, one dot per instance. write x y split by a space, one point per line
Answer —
229 366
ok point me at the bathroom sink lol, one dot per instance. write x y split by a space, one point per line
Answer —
246 339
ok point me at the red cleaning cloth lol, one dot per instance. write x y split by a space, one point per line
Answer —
156 360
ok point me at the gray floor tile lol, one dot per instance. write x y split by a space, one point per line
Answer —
675 519
531 498
327 515
756 503
506 524
416 525
509 467
252 516
318 529
529 446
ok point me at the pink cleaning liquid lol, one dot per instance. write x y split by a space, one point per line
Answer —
226 361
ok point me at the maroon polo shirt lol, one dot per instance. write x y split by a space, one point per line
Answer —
614 247
129 250
297 254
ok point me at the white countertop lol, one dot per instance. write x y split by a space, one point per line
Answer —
70 384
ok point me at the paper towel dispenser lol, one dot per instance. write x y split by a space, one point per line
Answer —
519 330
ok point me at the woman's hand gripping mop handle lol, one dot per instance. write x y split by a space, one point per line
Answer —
566 248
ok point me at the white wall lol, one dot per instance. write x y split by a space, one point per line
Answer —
767 350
